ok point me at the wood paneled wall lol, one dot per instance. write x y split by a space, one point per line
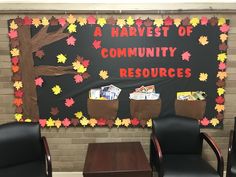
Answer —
68 146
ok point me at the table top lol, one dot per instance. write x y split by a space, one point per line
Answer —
115 157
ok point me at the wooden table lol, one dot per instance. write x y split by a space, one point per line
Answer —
116 160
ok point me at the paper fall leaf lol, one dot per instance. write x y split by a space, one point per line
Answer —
101 122
177 22
92 122
61 58
74 122
103 74
78 79
69 102
97 44
220 100
15 68
82 21
56 90
204 121
224 28
84 121
219 107
54 111
203 40
121 22
13 34
15 52
149 123
118 122
18 102
50 122
72 28
91 20
214 122
18 85
19 93
135 122
194 21
221 75
71 19
126 122
42 122
158 22
203 77
36 22
220 91
39 81
186 55
223 37
78 115
130 21
222 57
85 63
57 123
40 54
27 20
62 21
45 21
18 117
221 21
222 66
28 120
13 25
139 22
71 41
204 21
168 21
101 21
66 122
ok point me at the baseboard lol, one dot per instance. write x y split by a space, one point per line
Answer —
67 174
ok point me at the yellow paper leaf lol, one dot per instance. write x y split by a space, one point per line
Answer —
101 21
220 91
158 22
84 121
203 77
58 123
222 57
15 52
61 58
177 22
103 74
18 85
221 21
126 122
28 120
121 22
203 40
222 75
56 90
13 25
18 117
149 123
214 122
50 122
93 122
223 37
79 67
45 21
130 21
82 21
118 122
194 21
36 22
72 28
219 107
78 115
71 19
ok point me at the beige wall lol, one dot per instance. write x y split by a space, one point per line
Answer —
68 146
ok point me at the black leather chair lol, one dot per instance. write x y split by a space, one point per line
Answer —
176 149
231 161
23 152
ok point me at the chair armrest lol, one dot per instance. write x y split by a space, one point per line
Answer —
230 149
215 148
47 156
156 157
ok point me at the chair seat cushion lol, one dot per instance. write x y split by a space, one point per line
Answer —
187 166
32 169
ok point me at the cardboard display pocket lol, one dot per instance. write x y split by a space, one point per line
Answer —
102 108
145 109
193 109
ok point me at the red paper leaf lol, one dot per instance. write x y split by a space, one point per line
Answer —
74 122
42 122
78 78
222 66
54 111
39 81
186 55
101 122
168 21
13 34
66 122
91 20
204 121
19 93
139 22
71 40
224 28
62 21
69 102
204 21
40 54
15 60
97 44
220 100
27 20
85 75
135 122
85 63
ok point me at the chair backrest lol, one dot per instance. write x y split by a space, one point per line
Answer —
20 143
178 135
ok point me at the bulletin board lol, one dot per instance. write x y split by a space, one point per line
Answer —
57 61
